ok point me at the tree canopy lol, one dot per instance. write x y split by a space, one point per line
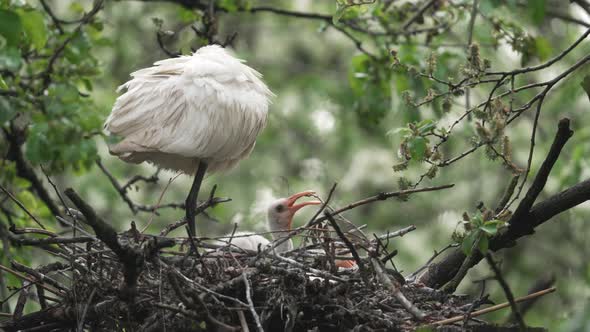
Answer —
383 97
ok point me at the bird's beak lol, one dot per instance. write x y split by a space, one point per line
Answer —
295 207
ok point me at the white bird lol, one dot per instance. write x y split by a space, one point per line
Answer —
191 114
280 218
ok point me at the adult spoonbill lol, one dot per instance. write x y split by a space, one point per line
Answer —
190 114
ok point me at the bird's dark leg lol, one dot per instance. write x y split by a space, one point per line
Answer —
191 200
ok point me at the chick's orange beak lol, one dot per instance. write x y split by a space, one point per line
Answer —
295 207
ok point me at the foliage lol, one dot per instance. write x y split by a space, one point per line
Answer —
434 84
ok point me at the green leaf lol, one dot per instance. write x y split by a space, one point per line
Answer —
229 5
10 27
543 48
468 242
187 15
403 131
586 85
489 229
537 10
7 111
425 126
483 244
10 58
359 65
3 84
417 147
477 219
34 27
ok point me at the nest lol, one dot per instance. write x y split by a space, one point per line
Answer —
137 282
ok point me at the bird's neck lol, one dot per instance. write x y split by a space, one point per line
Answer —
279 232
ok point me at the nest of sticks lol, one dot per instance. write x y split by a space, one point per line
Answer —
137 282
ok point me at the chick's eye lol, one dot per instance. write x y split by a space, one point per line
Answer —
280 208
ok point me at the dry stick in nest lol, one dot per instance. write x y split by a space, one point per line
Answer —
251 303
494 308
395 290
507 291
348 244
195 303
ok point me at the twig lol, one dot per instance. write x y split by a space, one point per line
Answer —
115 183
418 14
54 240
320 273
32 280
507 194
541 284
396 291
507 292
561 137
58 51
17 202
85 310
494 308
386 195
430 260
349 245
251 304
210 202
159 202
397 233
546 64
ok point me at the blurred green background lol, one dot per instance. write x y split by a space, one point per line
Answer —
327 125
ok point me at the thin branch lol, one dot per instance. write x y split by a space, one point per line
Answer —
561 137
391 286
20 205
419 13
251 304
546 64
494 308
349 245
507 291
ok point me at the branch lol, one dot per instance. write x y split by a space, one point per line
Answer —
494 308
60 49
130 259
561 137
546 64
251 303
507 291
419 13
348 244
386 281
440 273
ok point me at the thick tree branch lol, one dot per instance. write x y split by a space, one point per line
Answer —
522 224
561 137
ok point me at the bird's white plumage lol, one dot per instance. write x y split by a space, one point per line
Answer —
206 107
247 241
